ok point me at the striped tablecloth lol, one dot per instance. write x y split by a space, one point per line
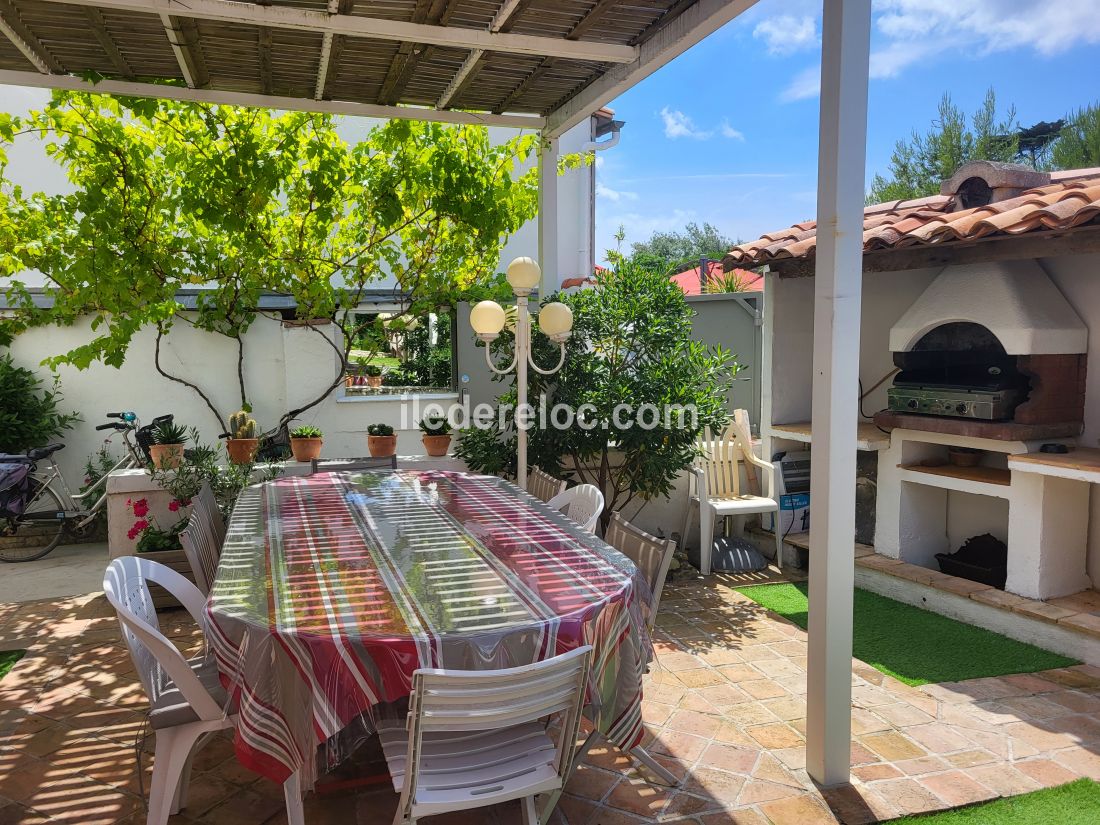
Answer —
334 588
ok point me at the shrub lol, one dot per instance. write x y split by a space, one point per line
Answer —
632 345
29 415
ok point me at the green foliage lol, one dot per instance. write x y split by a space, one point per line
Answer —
169 433
172 195
631 344
154 539
371 369
672 252
918 166
202 465
242 425
1078 144
732 281
379 429
435 425
29 415
306 431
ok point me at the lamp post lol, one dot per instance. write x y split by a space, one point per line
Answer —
555 322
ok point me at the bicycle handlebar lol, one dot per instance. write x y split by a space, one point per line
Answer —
113 427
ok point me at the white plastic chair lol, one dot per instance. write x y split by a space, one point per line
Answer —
544 486
186 698
476 738
582 504
651 555
717 482
200 543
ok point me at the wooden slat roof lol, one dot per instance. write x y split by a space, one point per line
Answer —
538 54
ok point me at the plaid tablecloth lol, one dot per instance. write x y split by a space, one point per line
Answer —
334 588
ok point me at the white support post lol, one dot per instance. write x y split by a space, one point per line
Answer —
846 31
548 216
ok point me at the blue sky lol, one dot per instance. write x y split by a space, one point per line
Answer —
727 133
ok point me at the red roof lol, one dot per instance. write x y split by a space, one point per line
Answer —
688 280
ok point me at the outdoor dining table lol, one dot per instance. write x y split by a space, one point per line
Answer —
334 588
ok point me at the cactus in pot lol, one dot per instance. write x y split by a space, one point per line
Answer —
381 440
243 439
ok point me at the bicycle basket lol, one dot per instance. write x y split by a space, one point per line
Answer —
15 488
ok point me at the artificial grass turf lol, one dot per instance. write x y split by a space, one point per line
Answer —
8 658
1077 803
916 646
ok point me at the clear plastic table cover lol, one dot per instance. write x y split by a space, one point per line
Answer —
334 588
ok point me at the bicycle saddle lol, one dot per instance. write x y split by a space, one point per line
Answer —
41 452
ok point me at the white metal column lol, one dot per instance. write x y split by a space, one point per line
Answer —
846 32
548 216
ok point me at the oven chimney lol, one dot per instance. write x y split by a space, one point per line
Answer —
982 182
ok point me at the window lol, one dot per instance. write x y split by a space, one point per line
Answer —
418 357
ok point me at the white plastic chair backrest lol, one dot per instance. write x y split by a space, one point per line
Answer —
582 504
488 700
205 501
722 456
651 555
158 662
201 547
544 486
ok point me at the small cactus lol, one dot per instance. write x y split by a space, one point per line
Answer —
241 425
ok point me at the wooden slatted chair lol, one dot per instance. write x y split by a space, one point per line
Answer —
475 738
544 486
716 478
651 555
352 465
199 540
206 502
582 504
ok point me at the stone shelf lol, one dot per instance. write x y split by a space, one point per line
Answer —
1080 464
985 481
868 436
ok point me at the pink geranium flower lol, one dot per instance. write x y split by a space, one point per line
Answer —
141 507
174 505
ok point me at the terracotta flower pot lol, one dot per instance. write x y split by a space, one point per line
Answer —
436 445
166 456
374 381
306 449
242 450
349 381
382 446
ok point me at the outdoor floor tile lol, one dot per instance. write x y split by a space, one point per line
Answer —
724 711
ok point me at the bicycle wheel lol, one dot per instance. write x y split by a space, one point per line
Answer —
11 550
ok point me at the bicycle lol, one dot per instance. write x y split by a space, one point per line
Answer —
50 500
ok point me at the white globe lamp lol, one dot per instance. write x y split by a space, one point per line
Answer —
524 275
556 321
487 319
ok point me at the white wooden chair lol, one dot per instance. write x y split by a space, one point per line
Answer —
200 543
651 555
544 486
186 698
475 738
351 465
582 504
716 478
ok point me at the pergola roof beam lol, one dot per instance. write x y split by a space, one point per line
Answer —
23 39
183 37
297 104
373 28
99 28
667 42
470 66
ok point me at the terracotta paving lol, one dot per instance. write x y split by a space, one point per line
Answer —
725 710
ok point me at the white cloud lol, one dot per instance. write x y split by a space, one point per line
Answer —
805 84
729 132
786 34
678 125
614 195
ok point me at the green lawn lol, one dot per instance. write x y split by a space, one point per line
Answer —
916 646
1077 803
8 658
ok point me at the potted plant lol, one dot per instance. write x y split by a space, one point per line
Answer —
374 375
305 442
166 451
381 440
242 443
437 435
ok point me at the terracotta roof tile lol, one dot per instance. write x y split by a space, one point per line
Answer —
1071 199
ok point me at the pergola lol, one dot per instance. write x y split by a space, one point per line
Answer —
545 65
